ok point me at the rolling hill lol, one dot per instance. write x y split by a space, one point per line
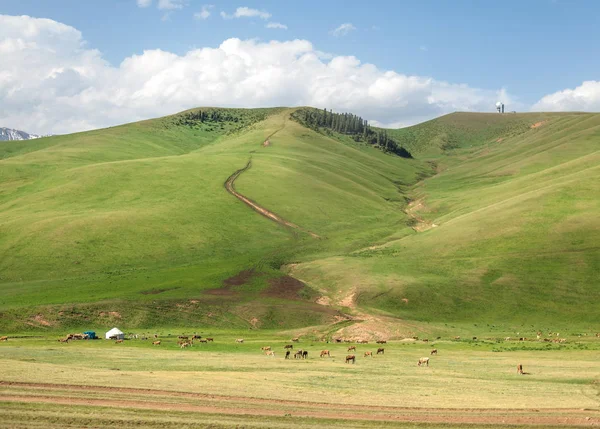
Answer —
493 221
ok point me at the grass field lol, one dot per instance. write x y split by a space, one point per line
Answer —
227 384
491 231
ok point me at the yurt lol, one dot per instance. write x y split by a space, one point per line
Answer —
115 334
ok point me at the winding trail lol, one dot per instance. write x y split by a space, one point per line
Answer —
230 187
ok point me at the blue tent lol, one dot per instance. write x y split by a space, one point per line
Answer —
91 335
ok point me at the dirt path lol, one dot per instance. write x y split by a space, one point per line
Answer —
230 187
164 400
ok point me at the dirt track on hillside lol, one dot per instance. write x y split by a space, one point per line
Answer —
230 187
164 400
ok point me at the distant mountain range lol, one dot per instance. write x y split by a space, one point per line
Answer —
10 134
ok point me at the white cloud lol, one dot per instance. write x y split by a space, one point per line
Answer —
585 97
343 29
171 4
246 12
276 25
52 82
204 12
144 3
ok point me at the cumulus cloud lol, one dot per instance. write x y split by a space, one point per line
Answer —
585 97
276 25
246 12
144 3
52 82
204 12
343 29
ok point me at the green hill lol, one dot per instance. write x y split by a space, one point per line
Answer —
133 224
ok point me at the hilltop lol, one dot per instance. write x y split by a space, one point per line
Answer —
134 224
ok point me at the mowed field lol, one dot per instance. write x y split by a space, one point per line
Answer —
469 383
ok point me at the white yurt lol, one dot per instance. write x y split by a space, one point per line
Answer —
115 333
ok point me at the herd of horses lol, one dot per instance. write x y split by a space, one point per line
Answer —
188 340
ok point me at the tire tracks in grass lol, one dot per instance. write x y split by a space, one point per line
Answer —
230 187
200 403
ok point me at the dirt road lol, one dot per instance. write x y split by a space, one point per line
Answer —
230 187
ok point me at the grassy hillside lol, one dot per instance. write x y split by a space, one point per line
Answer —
508 233
132 224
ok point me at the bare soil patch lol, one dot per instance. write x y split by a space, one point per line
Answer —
538 124
240 278
285 287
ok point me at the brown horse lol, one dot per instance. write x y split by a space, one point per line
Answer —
156 343
433 352
369 353
118 341
520 369
287 354
5 338
382 342
209 339
266 348
305 354
325 353
351 348
380 350
288 346
350 358
295 339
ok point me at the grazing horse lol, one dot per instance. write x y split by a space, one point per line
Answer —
203 340
520 369
382 342
183 337
5 338
287 354
474 338
350 358
196 337
380 350
338 340
118 341
434 352
295 339
239 340
266 348
62 340
351 348
288 346
369 353
209 339
325 353
423 361
305 354
184 345
156 343
298 354
270 353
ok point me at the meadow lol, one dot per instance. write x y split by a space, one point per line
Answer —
226 384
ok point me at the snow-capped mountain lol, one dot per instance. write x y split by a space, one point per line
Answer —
10 134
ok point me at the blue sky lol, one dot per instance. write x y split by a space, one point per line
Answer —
529 49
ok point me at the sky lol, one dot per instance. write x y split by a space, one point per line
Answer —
73 65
